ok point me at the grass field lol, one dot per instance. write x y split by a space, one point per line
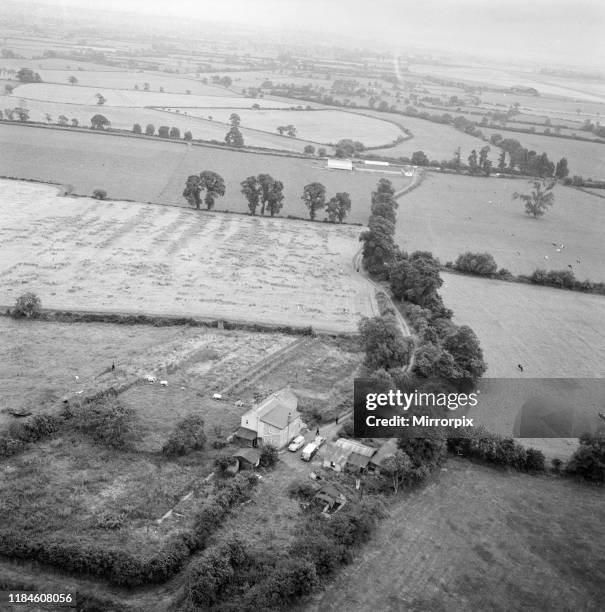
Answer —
326 126
122 117
155 171
450 214
552 332
438 141
114 256
584 158
115 79
69 94
480 539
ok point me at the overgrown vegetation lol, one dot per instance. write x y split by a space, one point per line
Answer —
188 435
27 306
589 459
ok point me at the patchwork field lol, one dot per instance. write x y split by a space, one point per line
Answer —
326 126
122 117
480 539
584 158
114 256
450 214
116 79
122 97
155 171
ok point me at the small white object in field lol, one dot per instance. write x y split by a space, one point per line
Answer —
217 396
558 250
77 378
545 256
151 379
79 392
239 403
164 383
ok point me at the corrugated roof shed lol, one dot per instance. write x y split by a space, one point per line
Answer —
352 446
251 455
358 460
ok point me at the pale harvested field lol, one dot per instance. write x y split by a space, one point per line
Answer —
121 97
450 214
326 126
480 539
155 171
584 158
123 118
115 256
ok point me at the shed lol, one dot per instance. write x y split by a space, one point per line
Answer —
334 457
388 449
358 461
340 164
248 436
248 458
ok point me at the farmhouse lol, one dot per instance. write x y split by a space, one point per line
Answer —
340 164
345 453
274 421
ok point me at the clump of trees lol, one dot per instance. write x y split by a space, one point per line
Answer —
540 198
27 75
210 183
314 197
289 130
265 191
99 122
589 459
99 194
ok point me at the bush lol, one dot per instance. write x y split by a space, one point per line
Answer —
187 436
136 129
309 149
218 444
10 446
187 135
107 422
99 194
478 443
269 455
301 488
36 428
27 306
589 459
482 264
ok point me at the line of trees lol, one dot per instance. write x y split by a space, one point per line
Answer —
267 194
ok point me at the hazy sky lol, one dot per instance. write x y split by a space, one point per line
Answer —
534 29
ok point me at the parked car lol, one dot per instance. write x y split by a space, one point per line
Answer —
296 444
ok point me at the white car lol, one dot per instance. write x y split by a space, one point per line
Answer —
297 443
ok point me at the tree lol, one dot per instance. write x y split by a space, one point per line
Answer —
338 207
99 122
281 129
484 162
234 119
269 455
502 161
397 468
74 122
22 113
187 135
136 129
62 120
163 131
100 99
321 151
419 158
416 278
8 88
384 345
291 131
99 194
72 79
482 264
464 347
214 186
345 148
145 86
561 170
309 149
378 245
271 194
192 191
27 75
175 132
252 191
27 306
539 199
314 197
384 188
150 129
473 163
234 137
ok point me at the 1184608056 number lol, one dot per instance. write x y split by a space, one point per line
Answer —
16 599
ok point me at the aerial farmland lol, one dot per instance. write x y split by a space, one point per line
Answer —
217 221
